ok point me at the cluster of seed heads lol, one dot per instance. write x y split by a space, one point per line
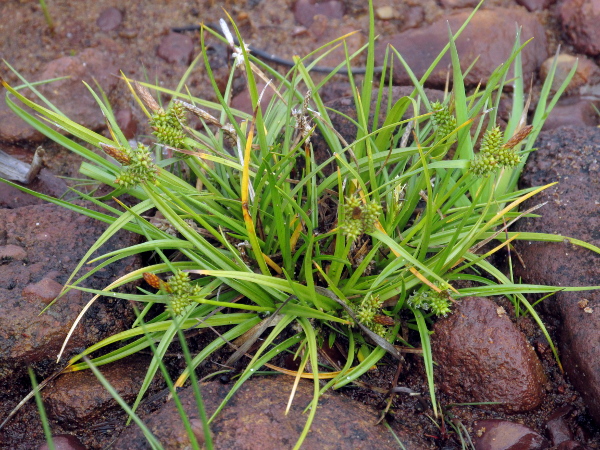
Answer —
181 291
138 165
359 217
169 126
493 154
437 302
443 120
368 313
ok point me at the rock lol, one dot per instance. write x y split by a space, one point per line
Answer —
12 252
54 240
535 5
580 24
587 71
496 434
459 3
255 418
43 291
570 156
557 426
481 356
45 182
109 19
127 122
64 442
306 10
386 13
571 445
70 95
176 48
78 399
243 103
12 128
573 111
490 35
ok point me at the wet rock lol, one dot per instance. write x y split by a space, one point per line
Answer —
557 426
483 357
580 24
176 48
489 36
64 442
54 239
570 156
306 10
255 418
78 399
496 434
45 182
587 71
535 5
70 95
127 122
109 19
573 111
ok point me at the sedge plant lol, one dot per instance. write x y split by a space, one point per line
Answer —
272 242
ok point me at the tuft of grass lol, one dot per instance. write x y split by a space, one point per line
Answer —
260 237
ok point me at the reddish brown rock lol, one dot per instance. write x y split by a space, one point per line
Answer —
78 398
481 356
573 111
489 36
306 10
44 290
587 71
496 434
70 95
580 24
176 48
12 128
569 156
255 418
109 19
64 442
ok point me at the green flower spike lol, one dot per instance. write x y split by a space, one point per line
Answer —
138 167
444 121
169 126
182 291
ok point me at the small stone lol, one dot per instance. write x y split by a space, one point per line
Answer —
12 252
64 442
557 426
44 290
109 19
459 3
496 434
306 10
176 48
385 13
